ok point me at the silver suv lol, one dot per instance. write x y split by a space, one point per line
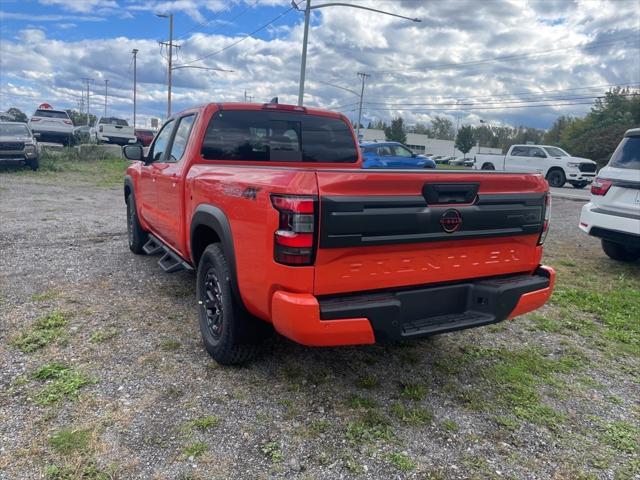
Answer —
18 145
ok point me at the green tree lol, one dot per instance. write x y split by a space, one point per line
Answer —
442 128
421 129
396 132
80 118
18 115
465 140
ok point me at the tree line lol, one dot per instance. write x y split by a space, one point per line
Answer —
593 136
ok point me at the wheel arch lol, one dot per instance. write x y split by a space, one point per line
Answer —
128 186
209 224
488 166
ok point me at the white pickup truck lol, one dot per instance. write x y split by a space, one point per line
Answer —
557 166
113 130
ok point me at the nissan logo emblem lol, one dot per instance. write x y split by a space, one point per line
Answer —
451 220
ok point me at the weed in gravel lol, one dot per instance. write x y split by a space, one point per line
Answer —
101 336
413 391
414 416
195 449
368 382
272 451
202 423
358 401
89 471
507 423
68 441
622 436
169 345
450 426
401 461
43 296
64 382
371 426
317 427
45 330
353 465
408 357
546 324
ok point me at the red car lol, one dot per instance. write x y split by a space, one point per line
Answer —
144 136
270 205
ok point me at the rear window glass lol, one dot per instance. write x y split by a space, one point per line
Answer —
51 114
13 129
277 137
627 155
113 121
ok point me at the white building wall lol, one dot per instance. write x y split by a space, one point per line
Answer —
426 145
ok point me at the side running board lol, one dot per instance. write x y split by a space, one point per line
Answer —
170 262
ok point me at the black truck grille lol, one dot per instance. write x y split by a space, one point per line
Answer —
11 145
588 167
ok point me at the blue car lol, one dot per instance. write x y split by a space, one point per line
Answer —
392 155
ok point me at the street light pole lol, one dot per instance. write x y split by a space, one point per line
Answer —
106 83
364 76
307 16
135 81
170 66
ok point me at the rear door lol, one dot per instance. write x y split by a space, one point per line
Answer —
388 229
519 159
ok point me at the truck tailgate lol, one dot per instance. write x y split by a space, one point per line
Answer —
389 229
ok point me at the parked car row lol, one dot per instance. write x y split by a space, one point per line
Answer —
19 145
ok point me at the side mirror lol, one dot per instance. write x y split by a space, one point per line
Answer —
133 152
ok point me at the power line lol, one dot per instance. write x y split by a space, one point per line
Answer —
250 35
238 15
498 59
203 24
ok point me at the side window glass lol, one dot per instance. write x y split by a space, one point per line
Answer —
384 151
180 140
519 152
536 152
159 147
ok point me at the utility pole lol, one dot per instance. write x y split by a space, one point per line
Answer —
364 77
106 95
88 82
135 79
170 45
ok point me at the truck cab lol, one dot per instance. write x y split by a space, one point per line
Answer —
555 164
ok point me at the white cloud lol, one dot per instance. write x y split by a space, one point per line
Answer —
82 6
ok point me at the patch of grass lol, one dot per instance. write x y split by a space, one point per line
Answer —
43 296
202 423
411 415
622 436
195 449
272 451
567 263
67 441
44 331
371 426
367 382
353 465
401 461
618 309
546 324
413 391
507 423
358 401
63 382
450 426
169 345
101 336
88 471
317 427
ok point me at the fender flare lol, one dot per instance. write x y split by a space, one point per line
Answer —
128 182
215 219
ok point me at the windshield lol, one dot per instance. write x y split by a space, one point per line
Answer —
627 155
113 121
556 152
8 129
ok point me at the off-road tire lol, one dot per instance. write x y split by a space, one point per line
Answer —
136 236
619 252
556 178
229 333
488 166
34 164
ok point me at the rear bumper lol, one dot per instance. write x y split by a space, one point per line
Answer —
618 227
409 313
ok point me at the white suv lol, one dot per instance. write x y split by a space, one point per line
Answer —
613 214
52 125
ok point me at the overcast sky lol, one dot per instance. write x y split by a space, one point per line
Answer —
507 62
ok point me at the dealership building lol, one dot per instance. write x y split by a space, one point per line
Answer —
422 144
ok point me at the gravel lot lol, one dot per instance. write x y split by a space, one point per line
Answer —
155 405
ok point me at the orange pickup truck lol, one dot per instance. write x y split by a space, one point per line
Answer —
270 205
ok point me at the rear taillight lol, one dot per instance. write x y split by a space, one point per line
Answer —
294 241
600 186
547 218
36 119
68 122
